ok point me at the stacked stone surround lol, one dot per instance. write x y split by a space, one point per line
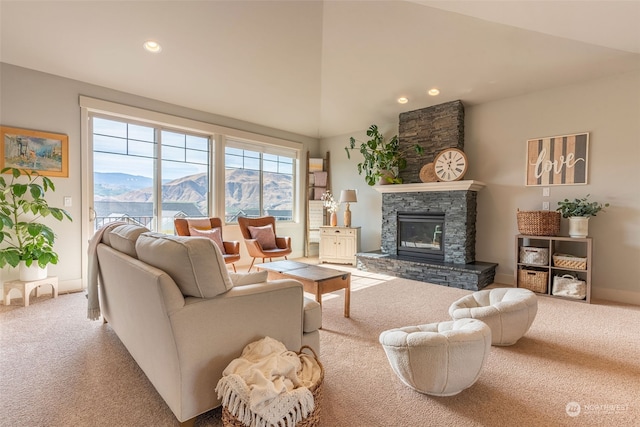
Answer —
434 129
459 269
459 208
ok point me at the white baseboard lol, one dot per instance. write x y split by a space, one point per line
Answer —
616 295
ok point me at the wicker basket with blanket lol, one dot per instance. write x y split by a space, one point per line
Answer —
292 399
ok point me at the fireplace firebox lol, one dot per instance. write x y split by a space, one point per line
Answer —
421 235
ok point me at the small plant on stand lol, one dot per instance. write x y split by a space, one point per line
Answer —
331 206
578 211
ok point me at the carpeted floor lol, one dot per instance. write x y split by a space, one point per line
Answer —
59 369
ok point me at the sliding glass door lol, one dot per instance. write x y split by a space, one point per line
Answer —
148 175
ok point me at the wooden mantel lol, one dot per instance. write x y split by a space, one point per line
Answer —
467 185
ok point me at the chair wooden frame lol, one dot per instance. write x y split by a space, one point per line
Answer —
283 244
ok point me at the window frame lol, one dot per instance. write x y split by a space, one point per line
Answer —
217 133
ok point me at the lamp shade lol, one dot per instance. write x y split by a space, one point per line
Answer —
348 196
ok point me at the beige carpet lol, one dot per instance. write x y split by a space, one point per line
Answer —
59 369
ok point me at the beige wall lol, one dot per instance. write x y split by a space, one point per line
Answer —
34 100
495 138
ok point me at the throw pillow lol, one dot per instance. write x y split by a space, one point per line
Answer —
196 265
264 235
214 234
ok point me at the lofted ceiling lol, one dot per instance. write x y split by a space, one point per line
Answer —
322 68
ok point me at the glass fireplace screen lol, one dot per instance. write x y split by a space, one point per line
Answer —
421 235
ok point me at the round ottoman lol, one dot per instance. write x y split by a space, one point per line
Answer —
509 312
439 359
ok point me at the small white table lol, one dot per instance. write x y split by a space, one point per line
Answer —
27 287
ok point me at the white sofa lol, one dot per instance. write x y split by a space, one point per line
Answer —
183 317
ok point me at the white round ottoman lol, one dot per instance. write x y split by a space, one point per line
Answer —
439 359
509 312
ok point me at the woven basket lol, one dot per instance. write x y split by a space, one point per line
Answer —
533 280
534 255
538 223
569 261
312 420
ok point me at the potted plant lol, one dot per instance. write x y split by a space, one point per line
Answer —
27 242
382 159
579 211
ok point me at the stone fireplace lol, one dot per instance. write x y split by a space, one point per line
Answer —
429 229
456 203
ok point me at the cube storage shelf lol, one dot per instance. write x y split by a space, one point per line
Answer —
581 247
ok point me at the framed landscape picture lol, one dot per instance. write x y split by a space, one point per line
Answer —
42 152
558 160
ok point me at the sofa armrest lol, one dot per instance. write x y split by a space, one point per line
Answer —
210 333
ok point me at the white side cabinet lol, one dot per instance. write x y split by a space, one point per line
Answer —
339 245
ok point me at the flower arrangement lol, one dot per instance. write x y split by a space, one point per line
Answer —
329 203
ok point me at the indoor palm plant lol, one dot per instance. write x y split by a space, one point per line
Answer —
382 159
579 211
27 241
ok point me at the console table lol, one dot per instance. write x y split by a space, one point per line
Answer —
27 287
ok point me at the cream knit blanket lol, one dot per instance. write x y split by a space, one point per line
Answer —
93 281
269 385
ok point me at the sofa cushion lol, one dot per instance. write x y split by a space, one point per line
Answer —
264 235
195 264
239 279
123 238
214 234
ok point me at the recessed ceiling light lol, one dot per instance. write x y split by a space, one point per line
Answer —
152 46
434 92
403 100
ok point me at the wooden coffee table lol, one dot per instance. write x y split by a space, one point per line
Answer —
315 280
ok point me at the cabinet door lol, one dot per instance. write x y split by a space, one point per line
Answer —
327 246
346 247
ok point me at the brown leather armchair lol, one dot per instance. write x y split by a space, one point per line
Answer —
256 249
231 248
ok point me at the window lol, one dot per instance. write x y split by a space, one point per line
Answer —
259 181
148 167
129 185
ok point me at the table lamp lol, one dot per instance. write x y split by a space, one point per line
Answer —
348 196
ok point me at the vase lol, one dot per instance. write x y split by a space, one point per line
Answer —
578 226
386 177
333 219
32 273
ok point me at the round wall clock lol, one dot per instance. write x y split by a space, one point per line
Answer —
450 165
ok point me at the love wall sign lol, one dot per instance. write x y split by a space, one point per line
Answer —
558 160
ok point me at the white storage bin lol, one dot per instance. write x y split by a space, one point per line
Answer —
534 256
